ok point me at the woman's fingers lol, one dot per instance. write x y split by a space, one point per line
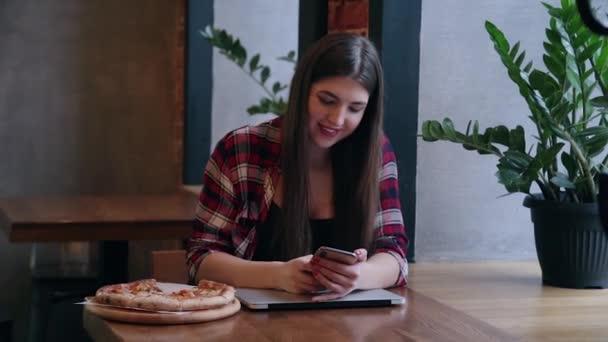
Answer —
306 267
305 263
327 296
308 279
337 278
305 283
349 271
305 288
327 283
361 254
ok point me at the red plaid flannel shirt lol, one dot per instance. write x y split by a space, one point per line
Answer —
238 187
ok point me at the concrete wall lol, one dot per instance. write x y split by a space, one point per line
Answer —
266 27
459 216
86 106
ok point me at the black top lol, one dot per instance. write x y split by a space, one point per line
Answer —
321 231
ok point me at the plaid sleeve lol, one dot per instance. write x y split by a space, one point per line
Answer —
390 234
216 211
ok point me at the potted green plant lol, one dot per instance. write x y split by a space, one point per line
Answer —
568 105
231 47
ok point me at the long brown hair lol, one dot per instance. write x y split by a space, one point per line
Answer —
355 160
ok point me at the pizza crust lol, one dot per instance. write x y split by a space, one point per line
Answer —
145 294
144 317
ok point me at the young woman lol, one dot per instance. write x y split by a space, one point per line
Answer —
324 175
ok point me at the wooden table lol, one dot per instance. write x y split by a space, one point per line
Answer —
511 296
112 220
420 319
96 218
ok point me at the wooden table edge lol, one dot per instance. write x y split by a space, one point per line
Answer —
98 328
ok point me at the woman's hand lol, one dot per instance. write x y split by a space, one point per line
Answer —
340 279
295 276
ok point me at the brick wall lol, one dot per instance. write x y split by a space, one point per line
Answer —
348 16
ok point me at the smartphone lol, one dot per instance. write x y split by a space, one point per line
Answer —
335 254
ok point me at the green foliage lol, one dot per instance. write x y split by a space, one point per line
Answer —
571 124
231 47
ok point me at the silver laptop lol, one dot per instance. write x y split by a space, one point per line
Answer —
262 299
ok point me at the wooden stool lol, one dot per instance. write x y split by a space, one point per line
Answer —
170 266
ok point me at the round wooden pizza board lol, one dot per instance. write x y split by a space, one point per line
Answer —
148 317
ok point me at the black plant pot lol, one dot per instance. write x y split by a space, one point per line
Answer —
571 244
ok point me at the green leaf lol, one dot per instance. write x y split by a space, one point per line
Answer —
593 139
596 146
276 87
253 63
583 37
520 59
436 130
589 51
516 160
587 74
501 135
553 11
511 173
252 110
265 102
574 27
592 131
278 107
514 50
290 57
528 67
554 37
546 157
560 111
569 163
265 74
602 58
500 42
509 178
475 134
543 82
562 181
448 129
517 141
553 51
573 79
426 131
469 147
557 69
239 53
600 101
282 106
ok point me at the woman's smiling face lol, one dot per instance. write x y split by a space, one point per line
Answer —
336 106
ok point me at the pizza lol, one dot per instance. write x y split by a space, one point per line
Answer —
147 295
